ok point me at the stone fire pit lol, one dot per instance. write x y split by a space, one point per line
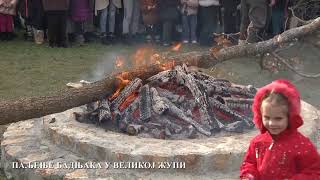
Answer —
59 140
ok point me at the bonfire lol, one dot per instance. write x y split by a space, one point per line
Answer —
180 102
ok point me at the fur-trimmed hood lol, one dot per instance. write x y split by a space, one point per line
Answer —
287 89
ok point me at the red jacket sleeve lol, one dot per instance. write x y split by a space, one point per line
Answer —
308 161
249 165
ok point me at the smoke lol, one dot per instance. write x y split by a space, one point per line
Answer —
105 66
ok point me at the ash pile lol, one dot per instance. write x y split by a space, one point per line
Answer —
179 103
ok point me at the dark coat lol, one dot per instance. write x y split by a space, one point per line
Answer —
169 10
56 5
150 11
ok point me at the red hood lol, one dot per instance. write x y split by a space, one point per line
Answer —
287 89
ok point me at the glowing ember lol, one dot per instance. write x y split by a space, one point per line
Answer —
128 101
168 65
177 47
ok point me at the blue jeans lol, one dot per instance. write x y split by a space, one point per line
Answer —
103 20
189 25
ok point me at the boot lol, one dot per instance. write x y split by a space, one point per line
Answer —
253 36
79 40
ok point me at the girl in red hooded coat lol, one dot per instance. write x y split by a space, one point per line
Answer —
279 152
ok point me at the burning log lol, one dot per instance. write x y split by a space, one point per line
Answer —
163 76
158 105
104 111
176 112
175 98
171 126
145 104
225 109
128 90
235 127
238 102
228 91
200 98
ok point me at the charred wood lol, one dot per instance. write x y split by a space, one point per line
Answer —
127 91
145 103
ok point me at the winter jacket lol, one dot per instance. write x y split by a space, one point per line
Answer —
8 7
55 5
169 10
290 155
189 7
207 3
150 11
117 3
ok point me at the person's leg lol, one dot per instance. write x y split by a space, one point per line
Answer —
128 10
51 28
277 21
185 29
112 17
258 19
63 29
244 19
209 18
203 29
230 11
193 28
166 33
103 20
134 25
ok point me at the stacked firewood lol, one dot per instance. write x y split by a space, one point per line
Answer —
178 103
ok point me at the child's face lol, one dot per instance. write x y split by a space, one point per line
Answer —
274 117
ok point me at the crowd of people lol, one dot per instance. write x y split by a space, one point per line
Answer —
161 21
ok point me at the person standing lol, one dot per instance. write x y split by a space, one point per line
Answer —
189 10
230 15
7 11
279 13
57 12
114 6
168 18
151 19
81 11
102 7
130 25
209 10
254 17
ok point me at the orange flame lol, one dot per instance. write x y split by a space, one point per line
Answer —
142 56
128 101
123 82
177 47
119 62
168 65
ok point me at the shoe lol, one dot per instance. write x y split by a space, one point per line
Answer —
148 38
165 44
111 38
38 36
185 41
157 38
79 40
194 42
